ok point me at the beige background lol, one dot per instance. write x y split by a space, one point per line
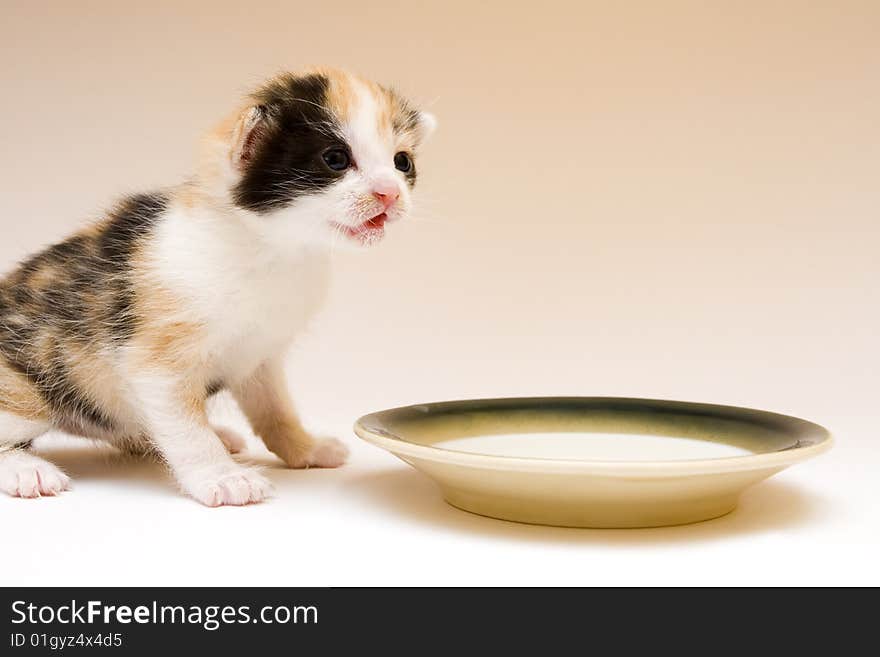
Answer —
667 199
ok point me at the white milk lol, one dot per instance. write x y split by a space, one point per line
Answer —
593 447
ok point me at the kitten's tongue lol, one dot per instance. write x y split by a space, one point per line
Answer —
370 231
377 222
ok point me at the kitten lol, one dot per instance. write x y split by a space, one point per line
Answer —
123 331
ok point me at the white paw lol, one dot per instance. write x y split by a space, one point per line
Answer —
26 475
232 485
327 453
235 444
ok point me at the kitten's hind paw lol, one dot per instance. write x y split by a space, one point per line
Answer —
234 443
327 453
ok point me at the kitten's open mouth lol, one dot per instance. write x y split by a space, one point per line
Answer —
368 232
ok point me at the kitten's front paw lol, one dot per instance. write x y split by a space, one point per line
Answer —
227 486
31 477
327 453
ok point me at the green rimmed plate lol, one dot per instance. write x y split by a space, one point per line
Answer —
593 461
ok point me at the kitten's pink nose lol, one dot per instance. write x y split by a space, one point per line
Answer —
386 193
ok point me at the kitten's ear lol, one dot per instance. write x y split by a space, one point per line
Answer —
252 127
427 125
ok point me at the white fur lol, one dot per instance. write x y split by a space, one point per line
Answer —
253 295
16 429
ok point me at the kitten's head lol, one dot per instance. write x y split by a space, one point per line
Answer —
323 156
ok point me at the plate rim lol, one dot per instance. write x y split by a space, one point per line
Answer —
369 428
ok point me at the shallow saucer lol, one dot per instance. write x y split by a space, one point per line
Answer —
593 461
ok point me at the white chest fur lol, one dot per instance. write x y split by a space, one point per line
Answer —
250 297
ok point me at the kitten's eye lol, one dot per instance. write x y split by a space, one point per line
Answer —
403 162
337 159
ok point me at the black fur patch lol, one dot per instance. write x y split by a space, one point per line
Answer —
286 162
133 219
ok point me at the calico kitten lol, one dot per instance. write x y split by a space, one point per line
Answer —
123 331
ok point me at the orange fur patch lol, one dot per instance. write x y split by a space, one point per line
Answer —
18 397
341 94
95 375
44 278
165 341
189 195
